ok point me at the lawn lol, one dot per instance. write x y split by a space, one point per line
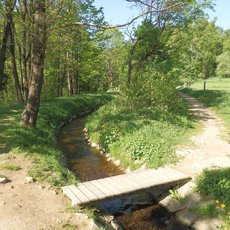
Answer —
217 84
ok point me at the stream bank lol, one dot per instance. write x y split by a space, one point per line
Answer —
131 212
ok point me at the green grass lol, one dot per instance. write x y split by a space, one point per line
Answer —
216 184
175 194
9 166
209 211
222 84
40 143
147 135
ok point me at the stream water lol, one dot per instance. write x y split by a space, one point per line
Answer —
136 212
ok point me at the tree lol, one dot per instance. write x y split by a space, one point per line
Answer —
3 45
223 67
29 115
152 74
199 47
9 38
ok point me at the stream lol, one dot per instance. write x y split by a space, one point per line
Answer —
134 212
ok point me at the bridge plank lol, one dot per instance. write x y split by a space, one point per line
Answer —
110 188
125 184
87 192
71 195
124 180
103 188
117 187
100 194
78 193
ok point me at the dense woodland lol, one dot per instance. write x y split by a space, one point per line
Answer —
55 48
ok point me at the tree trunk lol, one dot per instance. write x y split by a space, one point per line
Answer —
13 62
130 65
3 46
24 68
24 62
29 115
70 83
76 83
23 47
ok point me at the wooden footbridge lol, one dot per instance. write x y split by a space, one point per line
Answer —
160 179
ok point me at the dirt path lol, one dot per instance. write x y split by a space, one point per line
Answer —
209 150
34 206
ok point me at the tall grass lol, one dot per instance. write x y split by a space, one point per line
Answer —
40 143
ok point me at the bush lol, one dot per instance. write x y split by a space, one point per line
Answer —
216 183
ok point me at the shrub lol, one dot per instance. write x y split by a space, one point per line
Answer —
216 183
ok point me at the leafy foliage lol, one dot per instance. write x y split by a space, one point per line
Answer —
209 210
223 68
215 182
200 45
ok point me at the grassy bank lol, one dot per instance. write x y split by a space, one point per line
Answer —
145 135
40 143
216 182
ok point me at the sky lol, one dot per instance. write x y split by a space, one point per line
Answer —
119 12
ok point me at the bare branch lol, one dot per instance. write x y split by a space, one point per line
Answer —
125 24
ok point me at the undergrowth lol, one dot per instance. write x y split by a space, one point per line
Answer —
40 143
145 135
216 184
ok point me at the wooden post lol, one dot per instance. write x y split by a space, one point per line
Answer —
205 85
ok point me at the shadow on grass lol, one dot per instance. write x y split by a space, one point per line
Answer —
210 98
9 115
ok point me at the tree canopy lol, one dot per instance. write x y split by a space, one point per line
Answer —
56 48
